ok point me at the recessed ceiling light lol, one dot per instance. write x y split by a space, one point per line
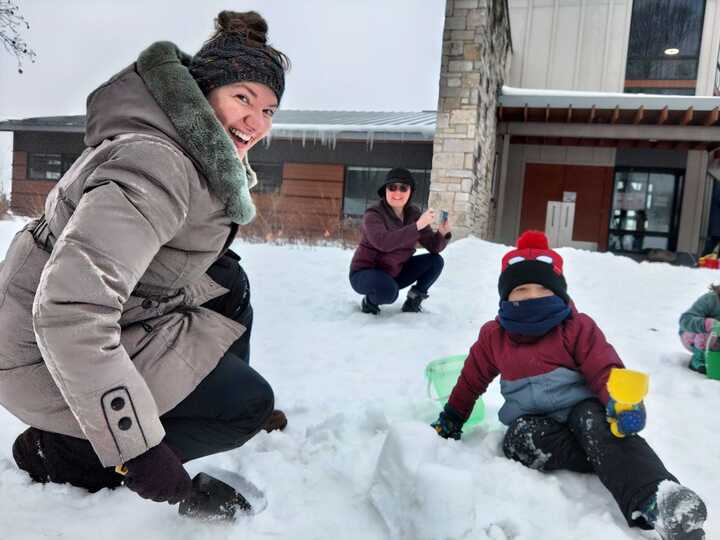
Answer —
672 51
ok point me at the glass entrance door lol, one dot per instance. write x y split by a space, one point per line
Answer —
645 209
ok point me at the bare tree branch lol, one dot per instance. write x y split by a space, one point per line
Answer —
11 24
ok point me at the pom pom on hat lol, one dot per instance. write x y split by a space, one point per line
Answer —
533 240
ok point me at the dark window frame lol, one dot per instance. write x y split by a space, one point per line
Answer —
263 186
656 59
66 161
672 234
661 91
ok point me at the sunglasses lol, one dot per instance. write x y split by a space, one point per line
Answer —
402 188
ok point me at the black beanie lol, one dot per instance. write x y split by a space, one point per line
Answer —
230 56
397 175
532 262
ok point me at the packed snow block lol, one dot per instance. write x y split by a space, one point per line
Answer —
445 503
417 497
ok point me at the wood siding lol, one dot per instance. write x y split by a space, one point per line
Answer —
308 206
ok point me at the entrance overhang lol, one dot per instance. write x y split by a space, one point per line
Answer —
609 119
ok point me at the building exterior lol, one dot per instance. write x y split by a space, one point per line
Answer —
609 107
476 50
574 125
317 173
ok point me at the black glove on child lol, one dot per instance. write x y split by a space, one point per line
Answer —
449 424
159 475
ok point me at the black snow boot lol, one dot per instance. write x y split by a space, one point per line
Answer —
51 457
676 513
414 299
368 307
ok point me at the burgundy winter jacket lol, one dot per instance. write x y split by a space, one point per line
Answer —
387 242
544 375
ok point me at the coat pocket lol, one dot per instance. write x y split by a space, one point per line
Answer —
19 278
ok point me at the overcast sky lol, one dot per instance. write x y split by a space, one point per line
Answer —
345 54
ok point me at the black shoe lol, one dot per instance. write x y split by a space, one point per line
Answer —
29 455
368 307
51 457
414 299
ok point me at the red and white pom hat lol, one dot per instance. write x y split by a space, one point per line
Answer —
532 262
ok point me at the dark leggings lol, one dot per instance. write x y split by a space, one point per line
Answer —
627 467
381 288
232 403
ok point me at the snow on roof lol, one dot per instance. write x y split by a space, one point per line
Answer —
318 125
519 97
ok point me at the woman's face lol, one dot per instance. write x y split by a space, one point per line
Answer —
245 110
395 196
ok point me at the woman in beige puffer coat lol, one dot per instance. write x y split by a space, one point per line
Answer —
124 318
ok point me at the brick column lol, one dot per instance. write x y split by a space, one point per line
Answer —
476 47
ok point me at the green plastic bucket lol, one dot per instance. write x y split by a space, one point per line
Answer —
712 358
442 374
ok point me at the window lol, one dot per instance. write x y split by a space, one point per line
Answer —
49 166
45 166
362 183
664 41
645 209
663 91
269 177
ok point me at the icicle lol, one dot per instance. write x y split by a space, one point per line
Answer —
370 139
303 138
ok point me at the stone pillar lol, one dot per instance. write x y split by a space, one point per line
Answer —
476 47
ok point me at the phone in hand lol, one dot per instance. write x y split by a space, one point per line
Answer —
443 216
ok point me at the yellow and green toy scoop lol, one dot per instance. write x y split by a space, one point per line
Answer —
627 388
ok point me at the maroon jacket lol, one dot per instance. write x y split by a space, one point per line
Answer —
387 243
545 375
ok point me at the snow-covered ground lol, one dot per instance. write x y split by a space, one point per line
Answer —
347 379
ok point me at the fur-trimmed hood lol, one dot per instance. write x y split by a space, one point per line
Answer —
157 95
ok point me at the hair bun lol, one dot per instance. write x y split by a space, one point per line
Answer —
250 22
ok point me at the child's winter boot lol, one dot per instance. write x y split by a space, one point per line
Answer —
697 362
676 512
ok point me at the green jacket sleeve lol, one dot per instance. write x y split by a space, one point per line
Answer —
693 320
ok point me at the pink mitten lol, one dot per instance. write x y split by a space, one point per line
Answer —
709 324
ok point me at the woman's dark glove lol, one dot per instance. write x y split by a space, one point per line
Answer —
449 424
159 475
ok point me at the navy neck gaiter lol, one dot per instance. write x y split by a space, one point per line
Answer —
535 317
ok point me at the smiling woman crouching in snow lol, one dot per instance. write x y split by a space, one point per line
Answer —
383 263
124 318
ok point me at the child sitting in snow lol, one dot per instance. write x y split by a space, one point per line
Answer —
696 324
554 365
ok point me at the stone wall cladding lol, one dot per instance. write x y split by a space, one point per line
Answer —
476 48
